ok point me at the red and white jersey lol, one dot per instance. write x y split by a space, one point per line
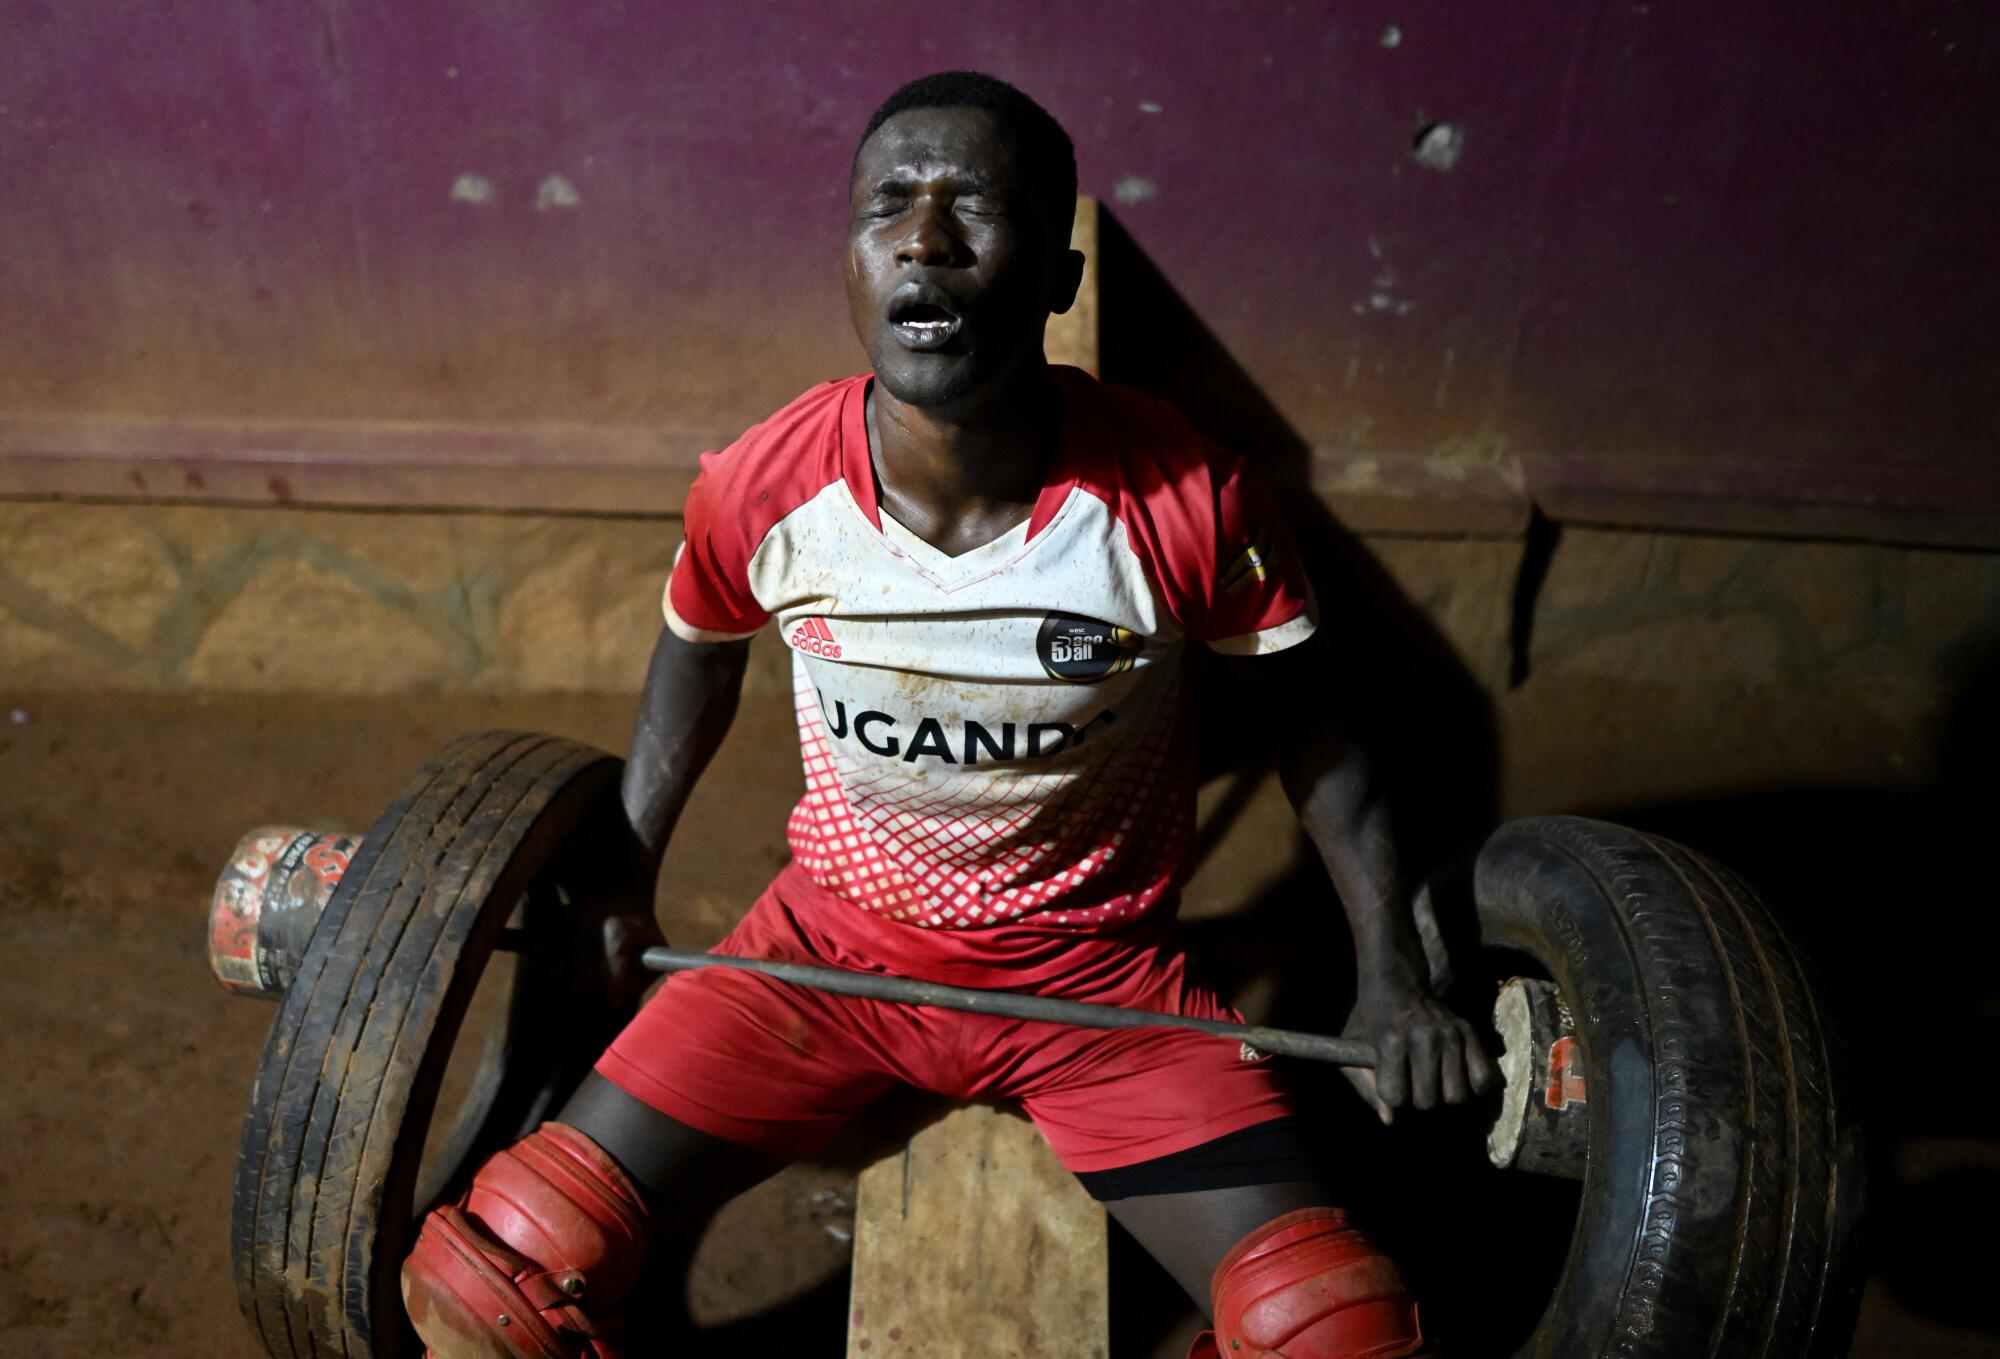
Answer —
996 758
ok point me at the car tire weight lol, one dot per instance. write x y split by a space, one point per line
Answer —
500 826
1723 1189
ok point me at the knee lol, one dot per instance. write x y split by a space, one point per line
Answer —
1309 1286
535 1258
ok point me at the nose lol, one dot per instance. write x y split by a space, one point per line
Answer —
929 237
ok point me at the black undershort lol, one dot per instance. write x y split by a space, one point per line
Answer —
1275 1152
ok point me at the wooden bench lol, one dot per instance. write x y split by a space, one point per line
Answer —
973 1242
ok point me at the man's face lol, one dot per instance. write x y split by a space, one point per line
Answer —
952 265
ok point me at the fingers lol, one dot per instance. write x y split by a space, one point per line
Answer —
625 940
1424 1051
1392 1069
1479 1065
1363 1080
1428 1065
1451 1065
1424 1057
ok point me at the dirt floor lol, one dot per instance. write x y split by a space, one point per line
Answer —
127 1068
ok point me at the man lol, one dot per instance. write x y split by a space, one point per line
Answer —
987 570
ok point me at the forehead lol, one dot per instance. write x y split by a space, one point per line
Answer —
928 142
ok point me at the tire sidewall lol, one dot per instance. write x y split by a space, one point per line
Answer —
1659 1066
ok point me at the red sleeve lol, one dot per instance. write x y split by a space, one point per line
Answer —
1253 596
1220 551
742 494
708 597
1202 522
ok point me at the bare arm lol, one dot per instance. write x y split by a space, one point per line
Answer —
686 708
684 712
1424 1051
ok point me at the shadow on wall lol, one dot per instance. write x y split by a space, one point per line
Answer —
1430 729
1420 712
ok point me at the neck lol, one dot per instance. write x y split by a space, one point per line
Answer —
979 456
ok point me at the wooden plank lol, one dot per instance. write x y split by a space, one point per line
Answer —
1945 504
605 469
554 469
975 1243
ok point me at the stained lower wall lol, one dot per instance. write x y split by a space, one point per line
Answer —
1648 661
180 597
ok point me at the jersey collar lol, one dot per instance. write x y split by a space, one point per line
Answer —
1079 402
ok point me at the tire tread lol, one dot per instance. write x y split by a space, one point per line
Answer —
351 1054
1753 1163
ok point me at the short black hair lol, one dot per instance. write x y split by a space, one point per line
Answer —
1048 154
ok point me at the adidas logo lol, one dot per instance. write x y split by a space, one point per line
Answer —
816 637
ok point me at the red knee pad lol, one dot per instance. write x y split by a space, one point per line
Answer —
532 1263
1308 1286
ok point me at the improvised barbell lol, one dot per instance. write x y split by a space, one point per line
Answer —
269 900
1676 1061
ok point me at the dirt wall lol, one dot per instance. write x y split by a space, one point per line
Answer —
340 603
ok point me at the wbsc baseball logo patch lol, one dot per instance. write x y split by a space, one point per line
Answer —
1083 650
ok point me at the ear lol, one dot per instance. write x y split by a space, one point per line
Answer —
1068 278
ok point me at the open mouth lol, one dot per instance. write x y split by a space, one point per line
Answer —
923 325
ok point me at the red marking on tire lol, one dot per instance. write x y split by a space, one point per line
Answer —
1565 1085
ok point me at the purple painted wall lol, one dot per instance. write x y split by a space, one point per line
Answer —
1706 248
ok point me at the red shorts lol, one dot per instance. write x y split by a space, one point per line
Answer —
777 1067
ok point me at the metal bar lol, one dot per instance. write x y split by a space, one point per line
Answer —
1014 1005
